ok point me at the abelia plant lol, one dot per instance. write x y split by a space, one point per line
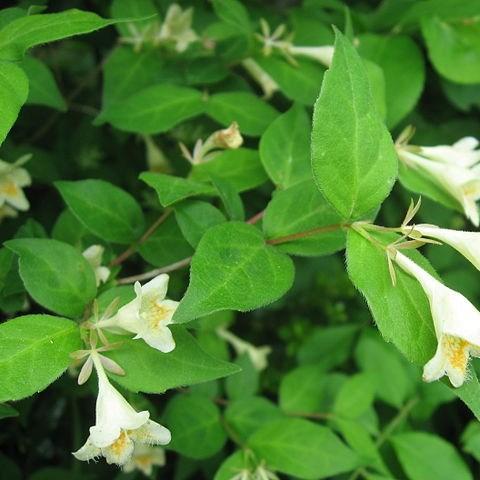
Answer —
239 240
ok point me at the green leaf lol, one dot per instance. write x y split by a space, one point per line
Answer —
195 424
427 457
233 269
166 245
13 94
471 439
469 393
367 267
303 449
55 274
241 168
403 66
385 367
107 211
245 383
151 371
355 396
285 148
245 416
298 209
232 465
172 189
454 49
195 217
43 87
27 32
8 15
230 198
300 83
234 14
154 109
133 9
353 158
34 352
252 114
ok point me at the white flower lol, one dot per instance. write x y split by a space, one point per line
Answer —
118 427
461 183
456 322
228 138
268 85
177 27
467 243
7 212
462 153
148 315
144 458
12 179
93 255
258 355
323 54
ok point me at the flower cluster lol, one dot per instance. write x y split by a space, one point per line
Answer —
455 169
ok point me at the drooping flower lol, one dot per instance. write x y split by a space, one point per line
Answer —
462 183
144 458
456 322
467 243
463 153
12 180
268 85
93 255
258 355
148 315
322 54
118 426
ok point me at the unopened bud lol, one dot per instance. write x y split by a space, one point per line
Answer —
228 138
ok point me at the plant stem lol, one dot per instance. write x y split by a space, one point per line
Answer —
306 233
133 247
256 218
153 273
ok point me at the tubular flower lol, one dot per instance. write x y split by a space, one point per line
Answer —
228 138
268 85
118 427
467 243
144 458
456 322
462 153
148 315
461 183
323 54
93 255
12 179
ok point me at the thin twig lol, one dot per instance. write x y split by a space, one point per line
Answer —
256 218
153 273
306 233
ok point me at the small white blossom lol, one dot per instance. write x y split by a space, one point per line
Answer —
148 315
268 85
12 180
462 183
177 28
118 427
93 255
456 322
462 153
228 138
323 54
467 243
144 458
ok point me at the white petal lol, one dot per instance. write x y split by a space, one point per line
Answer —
120 452
157 287
87 452
94 254
152 433
21 177
102 274
466 143
14 196
160 339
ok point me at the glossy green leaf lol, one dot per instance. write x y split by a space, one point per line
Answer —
13 94
453 48
230 198
298 209
303 449
172 189
355 396
34 352
43 89
31 30
151 371
245 383
154 109
234 14
428 457
106 210
133 9
194 421
233 269
252 114
353 159
55 274
285 148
